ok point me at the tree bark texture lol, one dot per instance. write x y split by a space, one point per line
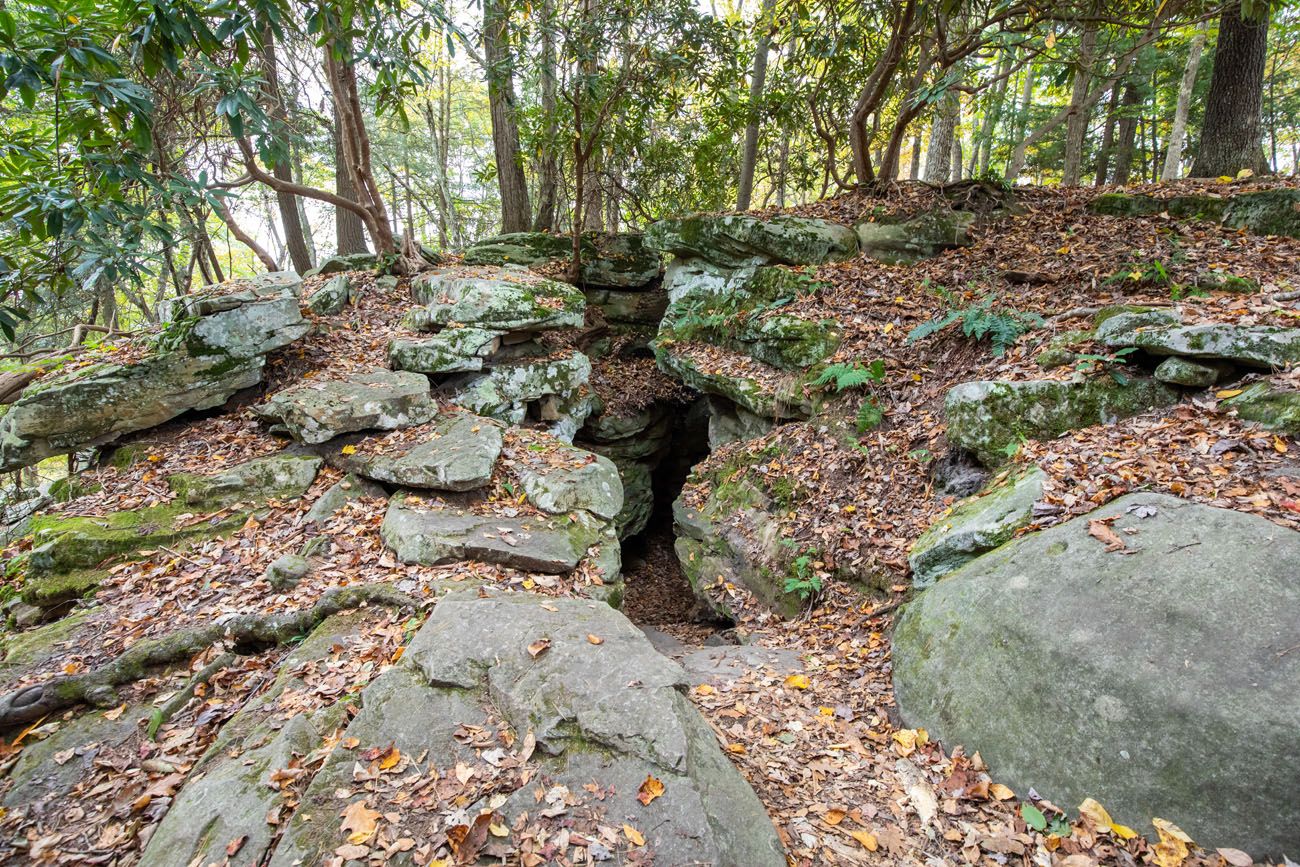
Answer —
1231 133
516 213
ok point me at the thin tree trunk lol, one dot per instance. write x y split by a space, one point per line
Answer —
983 147
1108 137
1177 135
303 218
548 180
516 213
223 212
282 169
1022 123
914 171
1126 133
1230 134
757 83
1076 124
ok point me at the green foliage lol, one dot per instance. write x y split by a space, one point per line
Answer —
802 579
982 320
869 416
1091 362
852 375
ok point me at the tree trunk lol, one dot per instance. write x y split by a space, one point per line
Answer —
1230 134
223 212
1108 137
282 169
548 180
757 82
1126 133
1174 153
1076 124
1022 123
516 213
938 158
983 147
914 171
349 229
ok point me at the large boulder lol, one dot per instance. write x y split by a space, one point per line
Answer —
331 297
1138 655
1272 407
909 240
316 412
739 240
603 708
452 350
1263 212
213 348
564 478
510 301
990 418
1258 345
555 385
619 260
974 526
282 476
455 453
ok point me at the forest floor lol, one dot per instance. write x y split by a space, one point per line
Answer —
823 749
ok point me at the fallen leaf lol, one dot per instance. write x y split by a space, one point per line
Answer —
349 450
1099 817
867 839
650 789
595 639
1100 529
359 822
115 712
390 758
538 647
233 847
798 681
1172 849
1235 857
1001 792
834 817
633 835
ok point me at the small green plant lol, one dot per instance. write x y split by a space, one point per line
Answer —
869 415
1012 448
1092 362
852 375
921 455
802 579
982 320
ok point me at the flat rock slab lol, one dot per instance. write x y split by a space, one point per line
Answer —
732 241
1155 678
989 417
1263 346
242 318
436 536
609 714
564 478
556 384
316 412
723 666
283 477
511 302
452 350
1272 407
332 297
458 453
974 526
608 259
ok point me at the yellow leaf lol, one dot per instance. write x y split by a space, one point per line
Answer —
1097 814
595 639
736 749
359 821
633 835
349 450
867 839
1065 249
390 758
704 689
888 328
1229 392
907 740
115 712
798 681
826 711
834 817
1224 179
1245 173
499 830
1172 850
1278 445
652 788
1001 792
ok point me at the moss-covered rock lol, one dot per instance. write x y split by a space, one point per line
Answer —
991 418
1195 374
783 401
556 386
976 525
67 543
316 412
1263 212
452 350
1263 346
732 241
906 240
502 303
37 645
332 297
1149 678
1274 408
279 477
346 262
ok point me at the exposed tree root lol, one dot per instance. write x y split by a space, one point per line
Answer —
245 633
